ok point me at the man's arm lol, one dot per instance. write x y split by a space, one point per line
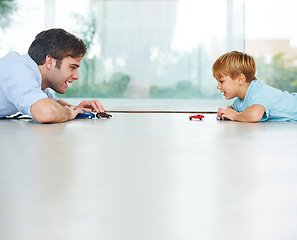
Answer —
48 110
250 114
63 103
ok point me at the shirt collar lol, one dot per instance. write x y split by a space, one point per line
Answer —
33 65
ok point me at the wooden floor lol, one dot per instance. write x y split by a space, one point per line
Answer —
155 176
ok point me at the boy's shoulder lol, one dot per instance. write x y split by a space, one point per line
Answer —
260 86
257 83
257 86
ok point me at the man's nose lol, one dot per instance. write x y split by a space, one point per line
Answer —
75 76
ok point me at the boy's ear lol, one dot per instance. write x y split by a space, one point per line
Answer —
241 78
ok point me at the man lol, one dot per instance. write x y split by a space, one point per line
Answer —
52 62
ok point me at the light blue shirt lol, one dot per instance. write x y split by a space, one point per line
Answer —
20 84
279 105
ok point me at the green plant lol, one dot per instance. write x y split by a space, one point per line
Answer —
280 72
7 7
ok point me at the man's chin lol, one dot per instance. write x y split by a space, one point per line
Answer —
62 91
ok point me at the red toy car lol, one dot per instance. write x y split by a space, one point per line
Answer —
199 116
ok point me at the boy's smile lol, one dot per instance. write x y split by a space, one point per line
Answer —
228 86
232 88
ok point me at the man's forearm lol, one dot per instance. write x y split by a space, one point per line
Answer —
49 111
63 103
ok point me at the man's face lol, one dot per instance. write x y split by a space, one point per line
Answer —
59 78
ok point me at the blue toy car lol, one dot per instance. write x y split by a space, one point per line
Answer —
85 115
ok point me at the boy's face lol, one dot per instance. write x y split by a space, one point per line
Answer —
59 78
228 86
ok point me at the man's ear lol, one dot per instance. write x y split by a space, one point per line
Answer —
50 62
241 78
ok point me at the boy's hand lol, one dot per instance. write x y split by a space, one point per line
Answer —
227 113
91 105
250 114
219 114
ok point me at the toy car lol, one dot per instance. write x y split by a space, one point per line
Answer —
103 115
199 116
85 115
222 119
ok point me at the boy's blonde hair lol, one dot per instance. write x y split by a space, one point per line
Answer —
234 63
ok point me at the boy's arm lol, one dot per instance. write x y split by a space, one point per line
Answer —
250 114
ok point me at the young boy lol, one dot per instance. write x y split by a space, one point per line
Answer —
255 101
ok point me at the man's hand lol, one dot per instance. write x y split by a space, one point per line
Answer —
50 111
73 111
90 106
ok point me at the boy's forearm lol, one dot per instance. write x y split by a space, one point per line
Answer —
250 114
244 117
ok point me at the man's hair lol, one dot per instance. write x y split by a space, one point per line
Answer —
234 63
58 44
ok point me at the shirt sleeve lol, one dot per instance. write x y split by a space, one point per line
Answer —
22 89
259 99
258 95
50 95
236 105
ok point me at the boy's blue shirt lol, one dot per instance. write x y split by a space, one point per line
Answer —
279 105
20 84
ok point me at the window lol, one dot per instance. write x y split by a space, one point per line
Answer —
271 37
150 49
162 50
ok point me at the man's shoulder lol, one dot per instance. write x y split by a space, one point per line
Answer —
14 61
18 67
16 57
11 56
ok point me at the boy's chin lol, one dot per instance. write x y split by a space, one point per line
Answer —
229 98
